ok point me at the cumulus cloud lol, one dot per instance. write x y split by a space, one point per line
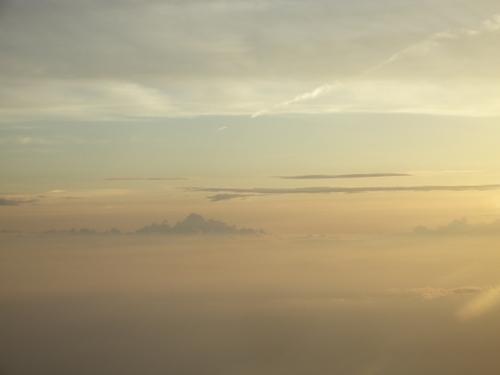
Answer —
460 227
231 193
195 224
331 176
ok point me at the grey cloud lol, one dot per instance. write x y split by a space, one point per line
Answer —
460 227
225 197
148 178
328 190
16 201
331 176
195 224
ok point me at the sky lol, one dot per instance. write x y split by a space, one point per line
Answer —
128 110
272 128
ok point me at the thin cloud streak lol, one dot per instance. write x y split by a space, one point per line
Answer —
330 176
225 197
15 201
148 178
225 192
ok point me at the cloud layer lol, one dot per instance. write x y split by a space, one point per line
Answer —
116 59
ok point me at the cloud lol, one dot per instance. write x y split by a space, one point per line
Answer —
448 72
195 224
148 178
480 306
324 89
429 293
460 227
327 190
16 201
319 91
331 176
225 197
256 53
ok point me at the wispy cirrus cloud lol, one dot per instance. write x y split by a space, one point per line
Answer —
232 193
296 55
333 176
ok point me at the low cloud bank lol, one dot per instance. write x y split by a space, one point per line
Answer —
460 227
193 224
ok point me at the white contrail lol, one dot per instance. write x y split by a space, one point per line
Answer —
326 88
419 48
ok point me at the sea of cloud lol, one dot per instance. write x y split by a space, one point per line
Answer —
368 304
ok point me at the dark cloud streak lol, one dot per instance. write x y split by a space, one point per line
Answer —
148 178
225 197
331 176
226 192
16 202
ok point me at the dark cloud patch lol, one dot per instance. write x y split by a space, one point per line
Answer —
16 201
148 178
236 192
331 176
225 197
460 227
195 224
